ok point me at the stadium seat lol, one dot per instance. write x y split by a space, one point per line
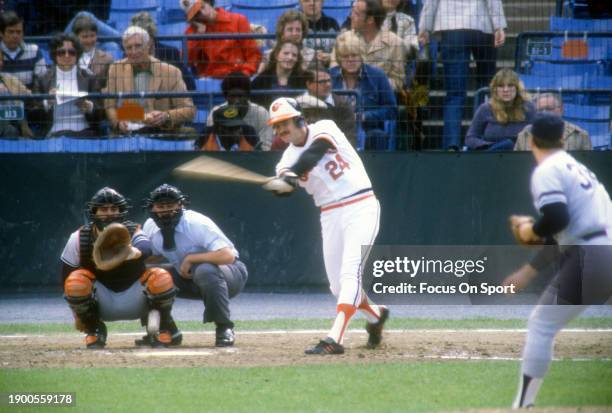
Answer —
586 112
562 24
172 29
534 82
113 49
135 4
554 69
210 93
338 10
171 16
263 12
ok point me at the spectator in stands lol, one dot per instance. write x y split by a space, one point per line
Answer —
291 25
339 109
383 49
319 22
574 137
162 51
141 73
22 60
464 28
236 88
284 71
71 113
230 132
218 58
10 85
497 123
402 25
92 59
377 100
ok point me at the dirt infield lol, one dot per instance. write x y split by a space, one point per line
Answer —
287 348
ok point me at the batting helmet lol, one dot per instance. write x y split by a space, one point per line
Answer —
107 196
285 108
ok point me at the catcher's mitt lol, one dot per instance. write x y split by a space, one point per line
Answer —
113 247
516 222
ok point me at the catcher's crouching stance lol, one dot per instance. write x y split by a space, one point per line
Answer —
105 276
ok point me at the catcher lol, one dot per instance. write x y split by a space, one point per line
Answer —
104 276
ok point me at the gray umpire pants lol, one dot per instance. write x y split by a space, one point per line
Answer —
215 285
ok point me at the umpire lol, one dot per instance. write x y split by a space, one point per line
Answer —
204 261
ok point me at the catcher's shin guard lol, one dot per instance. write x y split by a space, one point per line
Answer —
160 292
78 292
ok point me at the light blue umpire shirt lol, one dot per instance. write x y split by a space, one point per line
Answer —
195 233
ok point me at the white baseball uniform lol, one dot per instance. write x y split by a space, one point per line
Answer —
350 213
585 273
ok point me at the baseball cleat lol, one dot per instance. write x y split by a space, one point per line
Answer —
225 337
327 346
375 329
95 340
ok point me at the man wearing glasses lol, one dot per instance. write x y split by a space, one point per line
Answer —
574 138
318 83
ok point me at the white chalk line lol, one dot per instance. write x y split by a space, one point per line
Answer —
353 331
320 331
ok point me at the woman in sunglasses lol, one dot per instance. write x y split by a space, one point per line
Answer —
71 113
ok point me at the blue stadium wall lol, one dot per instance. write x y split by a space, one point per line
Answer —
429 198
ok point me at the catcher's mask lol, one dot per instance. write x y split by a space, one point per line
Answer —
107 196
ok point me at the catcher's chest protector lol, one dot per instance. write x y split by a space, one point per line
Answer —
119 278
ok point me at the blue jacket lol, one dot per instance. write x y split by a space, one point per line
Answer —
378 101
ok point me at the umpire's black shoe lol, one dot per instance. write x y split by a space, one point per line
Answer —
96 339
327 346
375 329
225 337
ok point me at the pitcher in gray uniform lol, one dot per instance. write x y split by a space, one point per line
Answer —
575 210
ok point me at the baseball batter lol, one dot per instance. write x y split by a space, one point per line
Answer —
575 210
97 295
320 159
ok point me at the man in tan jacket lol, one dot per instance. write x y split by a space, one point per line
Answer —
141 73
384 49
574 137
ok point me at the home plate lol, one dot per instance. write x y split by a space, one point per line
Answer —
174 353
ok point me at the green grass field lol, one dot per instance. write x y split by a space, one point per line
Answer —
405 387
283 324
411 386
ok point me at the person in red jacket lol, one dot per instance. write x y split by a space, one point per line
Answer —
217 58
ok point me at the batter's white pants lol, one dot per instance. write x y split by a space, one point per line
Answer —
345 230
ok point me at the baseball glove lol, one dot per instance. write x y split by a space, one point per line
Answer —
113 247
516 222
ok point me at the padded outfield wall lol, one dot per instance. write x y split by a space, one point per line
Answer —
430 198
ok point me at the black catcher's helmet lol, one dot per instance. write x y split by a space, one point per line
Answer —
166 193
107 196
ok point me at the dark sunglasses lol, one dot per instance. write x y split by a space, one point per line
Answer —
69 52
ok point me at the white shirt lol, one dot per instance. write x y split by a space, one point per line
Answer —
339 174
67 116
86 59
195 233
560 178
484 15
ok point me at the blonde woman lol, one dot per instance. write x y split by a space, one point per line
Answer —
497 123
291 25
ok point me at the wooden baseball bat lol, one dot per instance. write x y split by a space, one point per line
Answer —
205 167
